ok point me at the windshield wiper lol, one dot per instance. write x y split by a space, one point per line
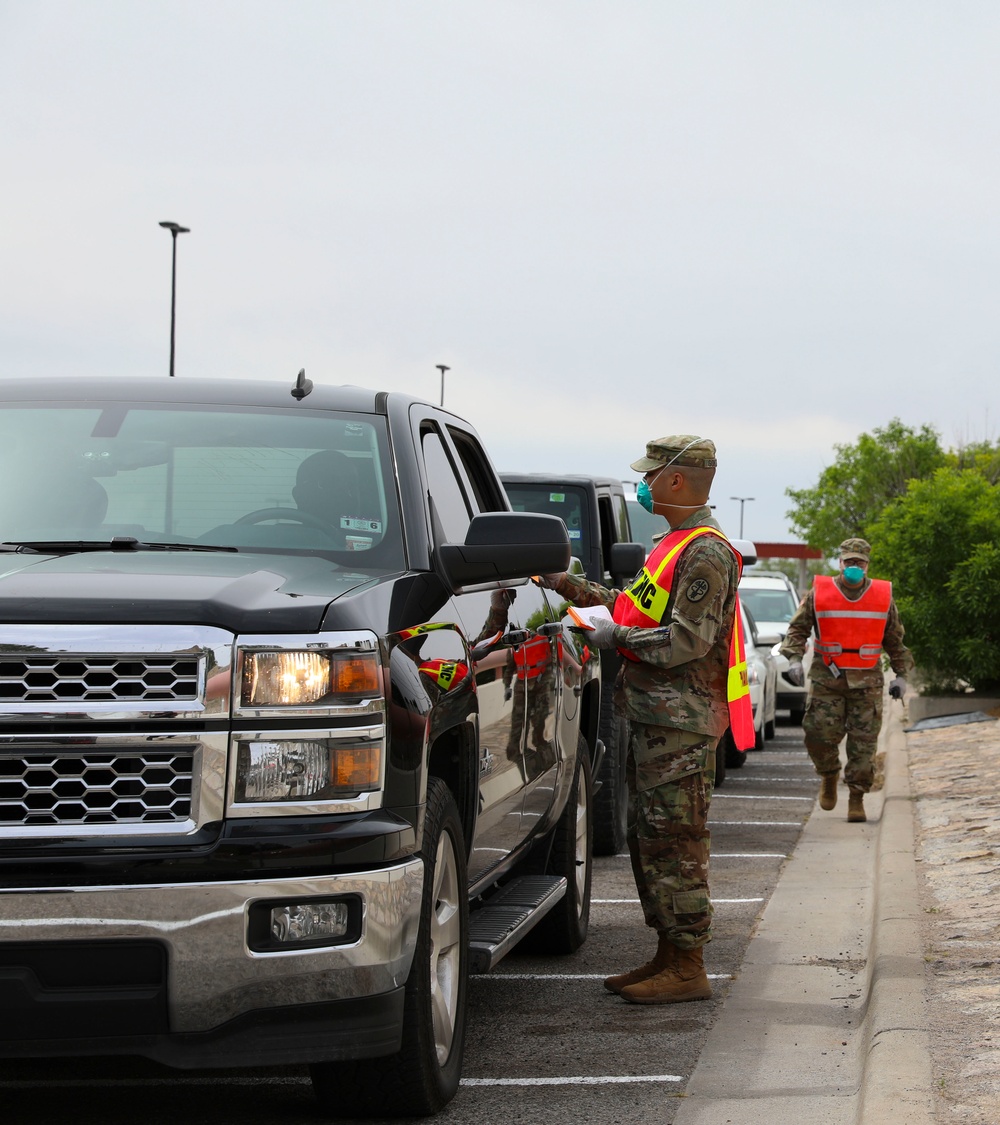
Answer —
116 543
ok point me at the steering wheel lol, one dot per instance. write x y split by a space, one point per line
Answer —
294 514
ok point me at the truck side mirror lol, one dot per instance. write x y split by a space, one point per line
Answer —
626 561
500 546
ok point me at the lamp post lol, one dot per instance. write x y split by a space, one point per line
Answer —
442 367
175 229
742 500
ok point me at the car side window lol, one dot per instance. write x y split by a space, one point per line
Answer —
607 531
446 493
621 517
481 478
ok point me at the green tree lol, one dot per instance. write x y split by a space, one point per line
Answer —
940 542
864 479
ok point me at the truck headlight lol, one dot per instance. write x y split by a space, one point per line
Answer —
297 678
313 769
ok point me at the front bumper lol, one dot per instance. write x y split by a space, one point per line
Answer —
215 1002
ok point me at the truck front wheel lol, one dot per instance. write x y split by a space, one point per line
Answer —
423 1076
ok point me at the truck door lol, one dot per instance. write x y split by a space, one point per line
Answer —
486 622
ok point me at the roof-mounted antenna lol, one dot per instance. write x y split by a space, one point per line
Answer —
302 385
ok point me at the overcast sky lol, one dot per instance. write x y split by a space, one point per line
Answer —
774 224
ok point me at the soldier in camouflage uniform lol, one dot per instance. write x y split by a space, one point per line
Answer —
845 701
674 696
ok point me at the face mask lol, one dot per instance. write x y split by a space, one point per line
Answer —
853 575
644 496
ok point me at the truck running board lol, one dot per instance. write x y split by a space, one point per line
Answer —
494 929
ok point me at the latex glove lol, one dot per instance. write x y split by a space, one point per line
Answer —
897 688
602 635
795 674
548 581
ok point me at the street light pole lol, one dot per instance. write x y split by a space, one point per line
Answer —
442 367
742 500
175 229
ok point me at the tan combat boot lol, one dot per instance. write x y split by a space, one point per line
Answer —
684 980
663 958
856 806
828 791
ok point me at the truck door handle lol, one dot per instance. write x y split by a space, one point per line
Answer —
550 629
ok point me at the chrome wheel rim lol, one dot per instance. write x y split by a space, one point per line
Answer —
582 851
446 947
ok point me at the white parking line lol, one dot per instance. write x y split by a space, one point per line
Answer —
756 823
754 797
749 855
620 901
568 976
759 777
740 855
580 1080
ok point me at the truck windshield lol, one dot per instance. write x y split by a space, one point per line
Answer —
267 480
567 503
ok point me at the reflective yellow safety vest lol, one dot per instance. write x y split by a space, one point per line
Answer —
850 632
645 604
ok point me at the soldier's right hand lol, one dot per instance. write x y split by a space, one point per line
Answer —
796 674
548 581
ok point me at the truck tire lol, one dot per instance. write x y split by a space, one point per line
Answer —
611 803
735 759
720 762
423 1075
564 928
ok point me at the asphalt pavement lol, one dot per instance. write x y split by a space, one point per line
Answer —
827 1021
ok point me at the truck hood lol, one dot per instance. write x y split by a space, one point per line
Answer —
245 593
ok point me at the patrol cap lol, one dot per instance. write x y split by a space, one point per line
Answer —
856 549
679 449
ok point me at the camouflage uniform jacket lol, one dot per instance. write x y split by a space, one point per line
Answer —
681 675
804 623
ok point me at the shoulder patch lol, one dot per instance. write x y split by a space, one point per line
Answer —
697 590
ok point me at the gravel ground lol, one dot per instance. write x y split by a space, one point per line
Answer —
955 775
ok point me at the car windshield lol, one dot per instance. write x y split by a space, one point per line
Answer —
566 503
776 606
288 481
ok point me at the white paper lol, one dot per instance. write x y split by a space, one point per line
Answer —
592 613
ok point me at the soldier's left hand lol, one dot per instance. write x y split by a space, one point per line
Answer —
602 635
897 688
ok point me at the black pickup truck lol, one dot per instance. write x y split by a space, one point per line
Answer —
289 743
597 520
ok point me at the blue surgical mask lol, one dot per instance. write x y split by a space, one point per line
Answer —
644 496
853 575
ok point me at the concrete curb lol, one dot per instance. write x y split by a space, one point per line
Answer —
896 1074
826 1021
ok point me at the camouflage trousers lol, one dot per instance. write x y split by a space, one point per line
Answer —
670 778
835 710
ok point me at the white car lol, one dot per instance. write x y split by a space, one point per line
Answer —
762 675
772 601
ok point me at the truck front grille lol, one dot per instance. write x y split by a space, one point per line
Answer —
92 679
46 788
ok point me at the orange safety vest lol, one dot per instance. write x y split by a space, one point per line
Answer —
531 657
445 673
644 604
850 631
